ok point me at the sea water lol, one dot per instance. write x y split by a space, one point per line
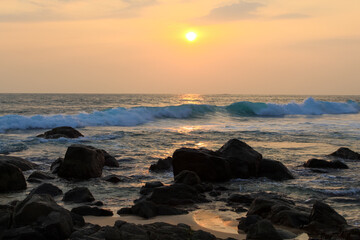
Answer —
138 129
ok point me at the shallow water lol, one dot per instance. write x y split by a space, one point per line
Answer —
139 129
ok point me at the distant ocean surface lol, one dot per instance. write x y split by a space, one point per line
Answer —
139 129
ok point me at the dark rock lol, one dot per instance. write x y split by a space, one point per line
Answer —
11 178
21 163
243 159
43 214
149 187
115 178
78 195
131 231
124 211
6 212
274 170
88 230
65 132
246 199
98 203
351 233
320 163
47 188
110 161
39 175
176 194
204 187
91 211
246 222
261 230
145 209
82 162
214 193
205 163
22 233
291 218
77 219
187 177
162 165
346 153
55 166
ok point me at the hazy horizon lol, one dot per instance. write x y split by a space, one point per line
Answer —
267 47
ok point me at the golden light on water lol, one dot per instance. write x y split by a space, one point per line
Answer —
191 98
191 36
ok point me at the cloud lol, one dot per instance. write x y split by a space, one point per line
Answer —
63 10
236 11
291 16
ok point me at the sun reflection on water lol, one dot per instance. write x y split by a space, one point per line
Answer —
191 98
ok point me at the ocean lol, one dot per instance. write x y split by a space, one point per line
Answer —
138 129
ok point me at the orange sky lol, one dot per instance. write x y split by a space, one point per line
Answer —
126 46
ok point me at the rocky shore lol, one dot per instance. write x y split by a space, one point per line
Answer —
199 175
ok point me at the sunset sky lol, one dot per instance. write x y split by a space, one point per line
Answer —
139 46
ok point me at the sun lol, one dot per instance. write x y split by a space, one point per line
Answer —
191 36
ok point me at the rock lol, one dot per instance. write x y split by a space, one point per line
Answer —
110 161
148 209
37 176
274 170
65 132
149 187
43 214
187 177
162 165
320 163
246 199
88 230
284 234
351 233
47 188
261 230
324 219
55 166
22 233
205 163
114 178
243 159
204 187
176 194
82 162
214 193
91 211
246 222
21 163
77 219
78 195
11 178
346 153
6 212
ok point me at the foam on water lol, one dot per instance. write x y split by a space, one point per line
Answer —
141 115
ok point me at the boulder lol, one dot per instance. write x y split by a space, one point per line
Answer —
91 211
162 165
21 163
47 188
176 194
274 170
110 161
78 195
187 177
246 222
82 162
38 176
205 163
115 178
22 233
320 163
11 178
41 213
55 166
261 230
346 153
149 187
243 159
351 233
6 212
65 132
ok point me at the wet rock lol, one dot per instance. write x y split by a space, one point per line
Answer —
261 230
43 214
176 194
11 178
55 166
110 161
82 162
65 132
38 176
91 211
246 222
78 195
22 233
346 153
214 193
320 163
149 187
78 220
274 170
6 212
246 199
21 163
88 230
162 165
243 159
351 233
47 188
115 178
187 177
204 187
205 163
